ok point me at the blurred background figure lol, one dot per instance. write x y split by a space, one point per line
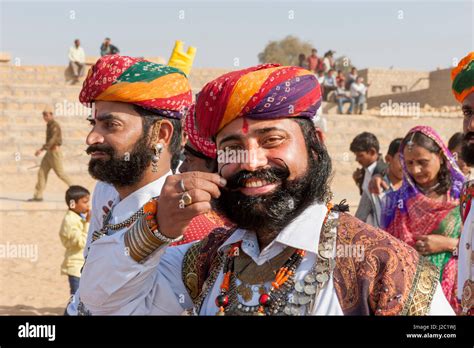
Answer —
370 205
359 92
314 62
107 48
77 60
455 146
53 158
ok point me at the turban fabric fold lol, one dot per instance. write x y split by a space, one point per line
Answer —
263 92
204 145
160 88
463 78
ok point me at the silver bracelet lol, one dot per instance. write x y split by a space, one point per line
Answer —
163 238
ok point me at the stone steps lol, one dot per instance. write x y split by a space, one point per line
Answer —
56 75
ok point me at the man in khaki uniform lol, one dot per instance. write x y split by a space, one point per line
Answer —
53 158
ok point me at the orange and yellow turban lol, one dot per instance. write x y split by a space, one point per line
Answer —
263 92
160 88
463 78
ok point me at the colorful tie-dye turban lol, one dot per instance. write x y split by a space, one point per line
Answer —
463 78
160 88
264 92
204 145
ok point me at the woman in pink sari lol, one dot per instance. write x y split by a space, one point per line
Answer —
424 212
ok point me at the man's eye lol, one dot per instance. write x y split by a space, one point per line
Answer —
272 141
467 113
112 125
232 147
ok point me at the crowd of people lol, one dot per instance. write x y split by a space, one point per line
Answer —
415 194
336 86
262 231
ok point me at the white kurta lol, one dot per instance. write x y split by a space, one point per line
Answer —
113 283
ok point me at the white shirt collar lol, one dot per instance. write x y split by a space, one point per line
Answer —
302 233
371 168
133 202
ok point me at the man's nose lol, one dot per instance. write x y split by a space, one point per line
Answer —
470 124
255 158
94 138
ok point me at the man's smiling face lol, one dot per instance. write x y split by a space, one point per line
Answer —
285 169
267 145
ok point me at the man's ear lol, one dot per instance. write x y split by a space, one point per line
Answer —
165 133
320 135
372 151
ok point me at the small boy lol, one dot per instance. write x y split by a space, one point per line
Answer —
365 147
73 234
370 205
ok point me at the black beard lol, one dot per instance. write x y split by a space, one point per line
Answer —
268 214
121 171
467 150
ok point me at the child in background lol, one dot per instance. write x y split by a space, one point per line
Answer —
455 146
365 147
73 234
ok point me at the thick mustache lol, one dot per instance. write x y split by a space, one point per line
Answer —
270 175
100 148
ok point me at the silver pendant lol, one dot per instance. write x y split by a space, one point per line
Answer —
309 278
310 289
303 299
322 278
299 286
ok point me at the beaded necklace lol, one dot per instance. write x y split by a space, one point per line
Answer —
278 299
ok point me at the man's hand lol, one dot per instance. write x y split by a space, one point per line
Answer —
202 187
377 185
435 243
88 216
38 152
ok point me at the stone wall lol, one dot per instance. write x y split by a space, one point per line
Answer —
427 89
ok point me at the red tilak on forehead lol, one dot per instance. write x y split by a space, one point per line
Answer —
93 112
245 126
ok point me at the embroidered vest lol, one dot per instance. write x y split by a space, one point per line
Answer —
374 274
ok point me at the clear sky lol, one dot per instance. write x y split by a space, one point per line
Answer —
415 34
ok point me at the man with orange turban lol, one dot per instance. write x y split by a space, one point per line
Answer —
292 252
463 87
